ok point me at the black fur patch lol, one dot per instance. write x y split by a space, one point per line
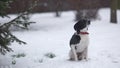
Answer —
75 39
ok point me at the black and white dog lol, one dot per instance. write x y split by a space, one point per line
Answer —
80 40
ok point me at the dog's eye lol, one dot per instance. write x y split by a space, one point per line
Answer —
89 22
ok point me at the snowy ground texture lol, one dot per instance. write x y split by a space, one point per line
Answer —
52 35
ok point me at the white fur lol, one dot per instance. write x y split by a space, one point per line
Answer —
83 43
73 53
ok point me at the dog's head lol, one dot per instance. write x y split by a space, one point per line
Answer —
82 25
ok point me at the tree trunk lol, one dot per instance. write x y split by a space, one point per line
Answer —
113 16
58 8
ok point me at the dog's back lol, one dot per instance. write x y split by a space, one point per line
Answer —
75 39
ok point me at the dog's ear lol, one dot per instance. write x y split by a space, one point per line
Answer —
77 27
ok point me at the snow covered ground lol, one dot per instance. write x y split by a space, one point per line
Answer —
52 35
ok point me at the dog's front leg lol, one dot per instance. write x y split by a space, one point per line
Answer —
85 55
74 52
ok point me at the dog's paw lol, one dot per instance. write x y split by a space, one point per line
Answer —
87 59
72 59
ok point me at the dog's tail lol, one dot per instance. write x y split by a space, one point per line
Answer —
74 52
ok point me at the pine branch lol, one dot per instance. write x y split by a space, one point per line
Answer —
12 22
6 37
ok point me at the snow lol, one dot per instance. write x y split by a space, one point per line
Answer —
52 35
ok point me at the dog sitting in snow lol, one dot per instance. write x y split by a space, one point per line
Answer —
79 41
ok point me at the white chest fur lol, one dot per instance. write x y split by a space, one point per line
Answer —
83 43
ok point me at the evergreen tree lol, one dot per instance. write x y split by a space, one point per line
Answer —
21 21
4 4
